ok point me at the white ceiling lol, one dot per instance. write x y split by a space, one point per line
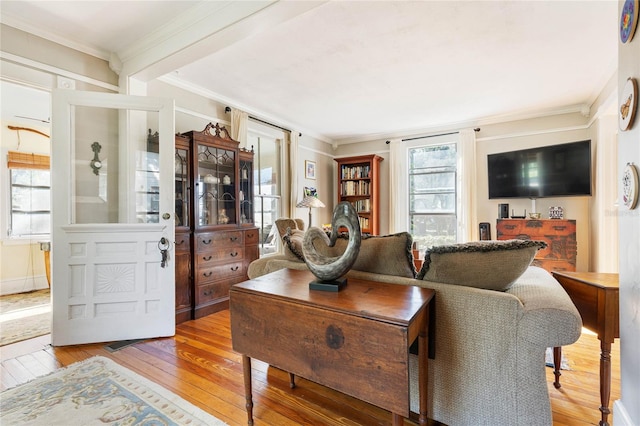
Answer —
345 70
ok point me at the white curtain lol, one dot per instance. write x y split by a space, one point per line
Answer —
604 221
294 141
467 183
398 173
239 126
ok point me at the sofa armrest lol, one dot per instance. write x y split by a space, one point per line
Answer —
550 317
266 265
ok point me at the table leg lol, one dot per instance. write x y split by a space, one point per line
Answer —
605 381
557 361
246 368
397 420
423 365
292 380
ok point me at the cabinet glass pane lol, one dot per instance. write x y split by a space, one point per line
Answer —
182 180
246 192
215 187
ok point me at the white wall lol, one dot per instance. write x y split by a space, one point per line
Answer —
627 410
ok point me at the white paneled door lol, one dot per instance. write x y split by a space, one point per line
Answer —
112 217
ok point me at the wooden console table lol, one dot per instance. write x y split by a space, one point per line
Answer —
350 340
596 295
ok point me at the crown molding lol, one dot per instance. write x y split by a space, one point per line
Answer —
56 71
175 81
20 24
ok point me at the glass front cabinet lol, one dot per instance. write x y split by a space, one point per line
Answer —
214 219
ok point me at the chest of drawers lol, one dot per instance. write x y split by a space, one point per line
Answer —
559 234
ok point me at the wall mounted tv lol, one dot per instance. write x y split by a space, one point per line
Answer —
548 171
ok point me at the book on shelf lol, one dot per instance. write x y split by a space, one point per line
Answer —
364 222
362 206
351 187
355 172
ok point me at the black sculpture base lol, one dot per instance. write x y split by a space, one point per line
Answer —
335 285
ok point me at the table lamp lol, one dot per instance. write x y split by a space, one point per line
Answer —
311 202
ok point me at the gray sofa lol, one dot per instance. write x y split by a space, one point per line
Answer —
489 365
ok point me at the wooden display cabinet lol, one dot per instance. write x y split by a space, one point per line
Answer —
358 183
216 237
183 217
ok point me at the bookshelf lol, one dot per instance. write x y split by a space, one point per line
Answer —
359 183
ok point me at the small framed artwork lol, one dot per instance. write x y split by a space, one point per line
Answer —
630 186
309 169
628 105
628 20
556 213
310 192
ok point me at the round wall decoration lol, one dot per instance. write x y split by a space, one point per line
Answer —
628 104
630 186
628 20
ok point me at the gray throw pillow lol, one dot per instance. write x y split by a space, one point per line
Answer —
493 265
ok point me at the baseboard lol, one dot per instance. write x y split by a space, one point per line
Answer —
22 285
621 415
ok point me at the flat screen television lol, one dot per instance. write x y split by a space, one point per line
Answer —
549 171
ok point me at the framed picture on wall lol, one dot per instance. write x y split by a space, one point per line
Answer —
309 169
310 192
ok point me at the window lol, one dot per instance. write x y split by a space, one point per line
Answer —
432 194
30 192
266 180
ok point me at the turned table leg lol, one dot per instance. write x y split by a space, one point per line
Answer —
246 368
557 361
292 380
605 381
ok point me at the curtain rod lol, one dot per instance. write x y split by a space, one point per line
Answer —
477 129
228 110
269 124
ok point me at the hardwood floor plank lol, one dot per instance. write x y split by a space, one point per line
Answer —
199 365
7 380
17 371
47 360
30 362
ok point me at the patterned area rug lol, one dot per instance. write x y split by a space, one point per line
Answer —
24 316
97 391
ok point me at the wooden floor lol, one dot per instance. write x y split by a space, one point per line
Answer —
199 365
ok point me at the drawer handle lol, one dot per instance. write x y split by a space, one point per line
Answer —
250 235
207 292
207 274
559 228
234 254
233 238
235 268
510 226
206 242
207 258
180 243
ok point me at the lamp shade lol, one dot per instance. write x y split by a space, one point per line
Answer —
311 202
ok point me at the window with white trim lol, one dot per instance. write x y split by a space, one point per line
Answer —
266 170
30 195
433 194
